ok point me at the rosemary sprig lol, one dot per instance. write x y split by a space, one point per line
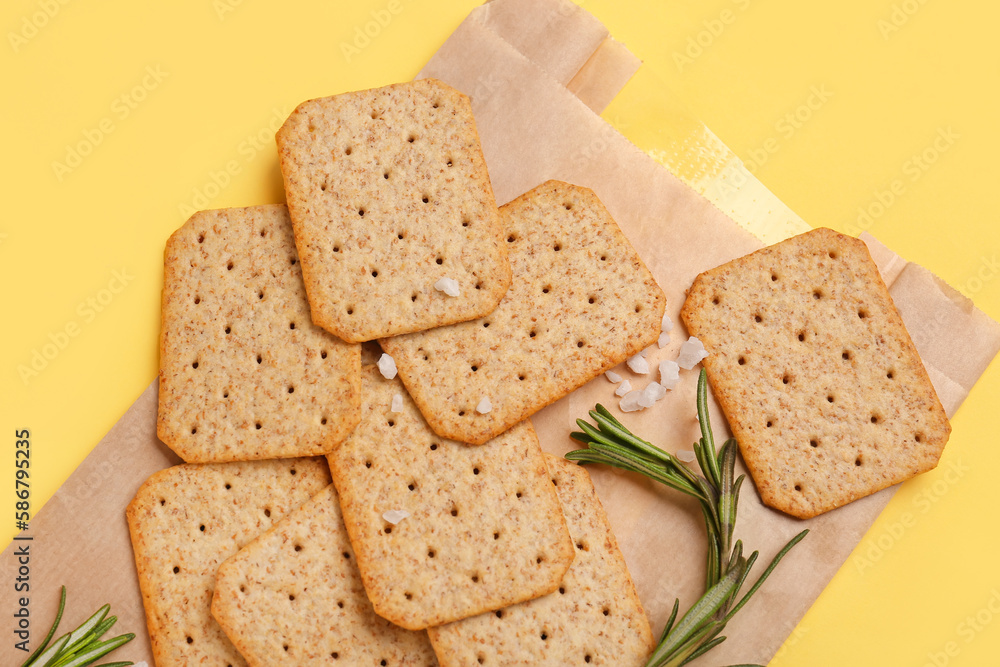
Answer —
699 629
82 646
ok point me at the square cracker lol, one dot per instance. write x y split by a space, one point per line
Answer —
816 373
294 596
581 301
389 193
184 522
595 618
244 373
484 528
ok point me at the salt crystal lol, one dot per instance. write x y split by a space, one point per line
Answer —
387 366
666 324
447 285
630 403
484 406
612 376
692 352
685 455
663 340
669 374
624 388
395 516
397 403
638 364
654 391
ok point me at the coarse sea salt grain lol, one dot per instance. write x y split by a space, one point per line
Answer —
669 374
612 376
397 403
663 340
638 364
630 402
395 516
654 391
685 455
624 388
387 366
447 285
666 324
692 352
484 406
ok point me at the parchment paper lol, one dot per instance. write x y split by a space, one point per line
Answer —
537 71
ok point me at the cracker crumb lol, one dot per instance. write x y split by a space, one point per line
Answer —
387 366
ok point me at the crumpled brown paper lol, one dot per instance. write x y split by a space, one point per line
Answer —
538 72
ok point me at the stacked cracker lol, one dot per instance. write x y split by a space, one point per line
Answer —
443 508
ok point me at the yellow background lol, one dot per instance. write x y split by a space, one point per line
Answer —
210 80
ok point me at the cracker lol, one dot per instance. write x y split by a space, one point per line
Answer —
244 374
816 373
389 193
595 618
184 522
581 302
484 528
294 596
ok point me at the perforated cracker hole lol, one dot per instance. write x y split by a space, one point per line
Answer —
499 613
479 285
532 333
889 375
201 238
194 365
439 261
260 359
475 471
606 611
919 437
431 553
387 529
802 336
742 361
425 199
544 636
267 512
194 429
347 556
580 343
496 535
846 355
557 247
862 314
291 598
774 277
257 426
817 294
638 307
291 390
291 325
293 261
197 300
225 394
562 590
322 354
385 175
285 646
461 413
298 547
568 206
857 461
586 658
202 528
190 639
833 254
521 377
798 487
539 559
786 379
347 151
375 274
466 222
413 297
829 398
592 299
229 330
229 266
361 212
475 578
511 238
350 310
715 301
454 511
176 569
519 494
411 138
474 368
368 464
758 319
433 446
228 486
814 443
875 418
770 423
408 595
582 546
486 325
260 295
